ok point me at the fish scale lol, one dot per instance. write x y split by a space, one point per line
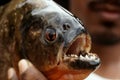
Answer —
49 36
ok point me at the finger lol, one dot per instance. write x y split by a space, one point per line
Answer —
29 72
12 74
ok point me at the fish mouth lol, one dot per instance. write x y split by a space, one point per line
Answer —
78 55
75 61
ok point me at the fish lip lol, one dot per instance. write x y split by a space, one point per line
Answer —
79 60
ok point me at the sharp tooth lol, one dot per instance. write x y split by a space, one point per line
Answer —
87 58
81 57
73 55
76 56
92 57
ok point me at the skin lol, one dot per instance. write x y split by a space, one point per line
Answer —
104 27
27 72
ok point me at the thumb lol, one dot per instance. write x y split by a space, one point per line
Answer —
29 72
12 74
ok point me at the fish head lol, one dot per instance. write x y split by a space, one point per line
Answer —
53 39
57 43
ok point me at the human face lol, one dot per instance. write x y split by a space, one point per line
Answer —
101 18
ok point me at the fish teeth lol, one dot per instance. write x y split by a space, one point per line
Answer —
92 59
88 58
73 55
70 57
81 57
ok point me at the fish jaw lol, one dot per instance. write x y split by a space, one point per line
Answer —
62 72
76 62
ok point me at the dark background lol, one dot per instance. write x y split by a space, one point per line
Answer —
63 3
2 2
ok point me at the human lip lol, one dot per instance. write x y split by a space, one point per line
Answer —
106 10
109 15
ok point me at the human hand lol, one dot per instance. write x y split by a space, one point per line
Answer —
27 72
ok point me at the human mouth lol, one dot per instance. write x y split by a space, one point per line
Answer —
106 10
110 15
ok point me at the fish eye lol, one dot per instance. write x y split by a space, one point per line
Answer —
50 35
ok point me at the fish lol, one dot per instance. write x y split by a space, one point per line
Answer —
49 36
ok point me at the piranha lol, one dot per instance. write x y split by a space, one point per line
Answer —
49 36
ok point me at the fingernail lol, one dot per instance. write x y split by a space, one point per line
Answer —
11 73
23 65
